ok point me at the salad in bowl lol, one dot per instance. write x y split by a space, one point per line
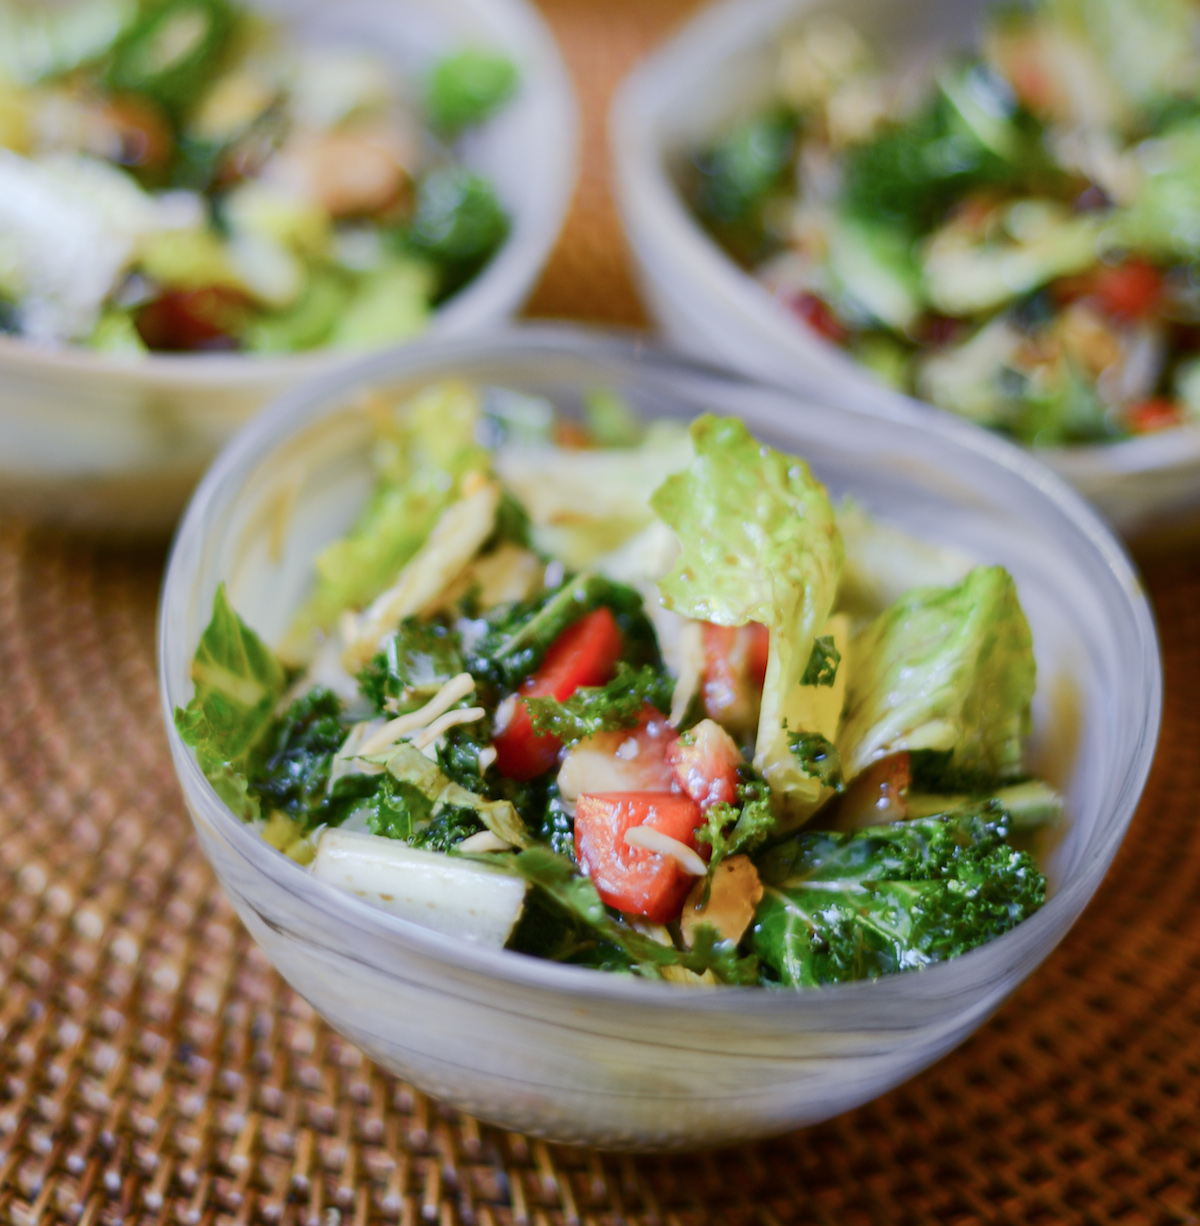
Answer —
590 784
207 201
980 207
1008 234
647 708
188 176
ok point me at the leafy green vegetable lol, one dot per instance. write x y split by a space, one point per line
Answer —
823 663
730 829
818 758
172 53
238 684
450 827
946 669
735 177
466 87
409 766
913 171
517 636
295 775
611 421
457 223
889 898
602 708
425 451
758 543
414 664
1161 220
572 924
398 809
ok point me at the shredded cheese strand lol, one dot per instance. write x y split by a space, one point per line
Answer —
467 715
453 691
649 839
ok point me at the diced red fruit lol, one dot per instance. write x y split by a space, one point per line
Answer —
705 763
194 320
634 880
878 795
735 664
1151 415
1132 290
817 314
585 653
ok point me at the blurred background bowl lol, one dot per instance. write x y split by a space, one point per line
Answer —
114 445
581 1056
721 65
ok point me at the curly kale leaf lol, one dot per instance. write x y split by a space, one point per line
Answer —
733 180
823 663
568 922
818 758
602 708
295 776
398 808
890 898
414 664
732 829
515 637
450 827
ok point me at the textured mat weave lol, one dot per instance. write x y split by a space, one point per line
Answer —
153 1068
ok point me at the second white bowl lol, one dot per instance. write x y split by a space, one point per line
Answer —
720 65
90 441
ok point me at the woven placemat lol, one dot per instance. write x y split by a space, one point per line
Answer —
154 1068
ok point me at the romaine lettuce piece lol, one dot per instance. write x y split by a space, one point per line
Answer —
947 669
758 543
390 304
426 450
1042 240
238 684
584 504
1163 218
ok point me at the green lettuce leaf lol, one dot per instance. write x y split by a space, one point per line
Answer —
758 543
238 684
425 451
947 669
426 792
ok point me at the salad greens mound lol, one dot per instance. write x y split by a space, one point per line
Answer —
1011 235
190 176
657 708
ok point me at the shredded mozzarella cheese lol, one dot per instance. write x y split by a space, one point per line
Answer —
456 689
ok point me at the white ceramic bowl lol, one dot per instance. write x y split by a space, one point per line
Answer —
720 65
579 1055
94 442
